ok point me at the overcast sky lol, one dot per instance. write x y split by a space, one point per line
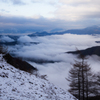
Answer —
49 14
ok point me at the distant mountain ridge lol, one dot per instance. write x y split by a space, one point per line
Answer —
89 51
88 30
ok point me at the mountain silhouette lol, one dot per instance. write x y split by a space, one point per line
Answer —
89 51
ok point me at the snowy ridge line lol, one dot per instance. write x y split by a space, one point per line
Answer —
20 85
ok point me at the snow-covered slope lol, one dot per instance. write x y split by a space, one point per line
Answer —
19 85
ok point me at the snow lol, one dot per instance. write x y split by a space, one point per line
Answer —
19 85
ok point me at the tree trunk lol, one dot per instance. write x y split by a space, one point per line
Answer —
79 84
82 79
86 86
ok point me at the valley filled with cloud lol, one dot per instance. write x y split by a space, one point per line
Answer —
48 53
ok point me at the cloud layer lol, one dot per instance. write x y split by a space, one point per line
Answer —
15 2
6 39
79 10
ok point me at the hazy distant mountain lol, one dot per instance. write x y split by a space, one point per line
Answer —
56 30
89 51
17 31
45 33
88 30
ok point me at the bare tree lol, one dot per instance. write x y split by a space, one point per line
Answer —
96 90
74 78
80 77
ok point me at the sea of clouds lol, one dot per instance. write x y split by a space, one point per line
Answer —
53 48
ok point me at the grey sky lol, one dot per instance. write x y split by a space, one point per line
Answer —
49 14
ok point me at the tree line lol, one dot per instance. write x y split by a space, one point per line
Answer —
83 82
